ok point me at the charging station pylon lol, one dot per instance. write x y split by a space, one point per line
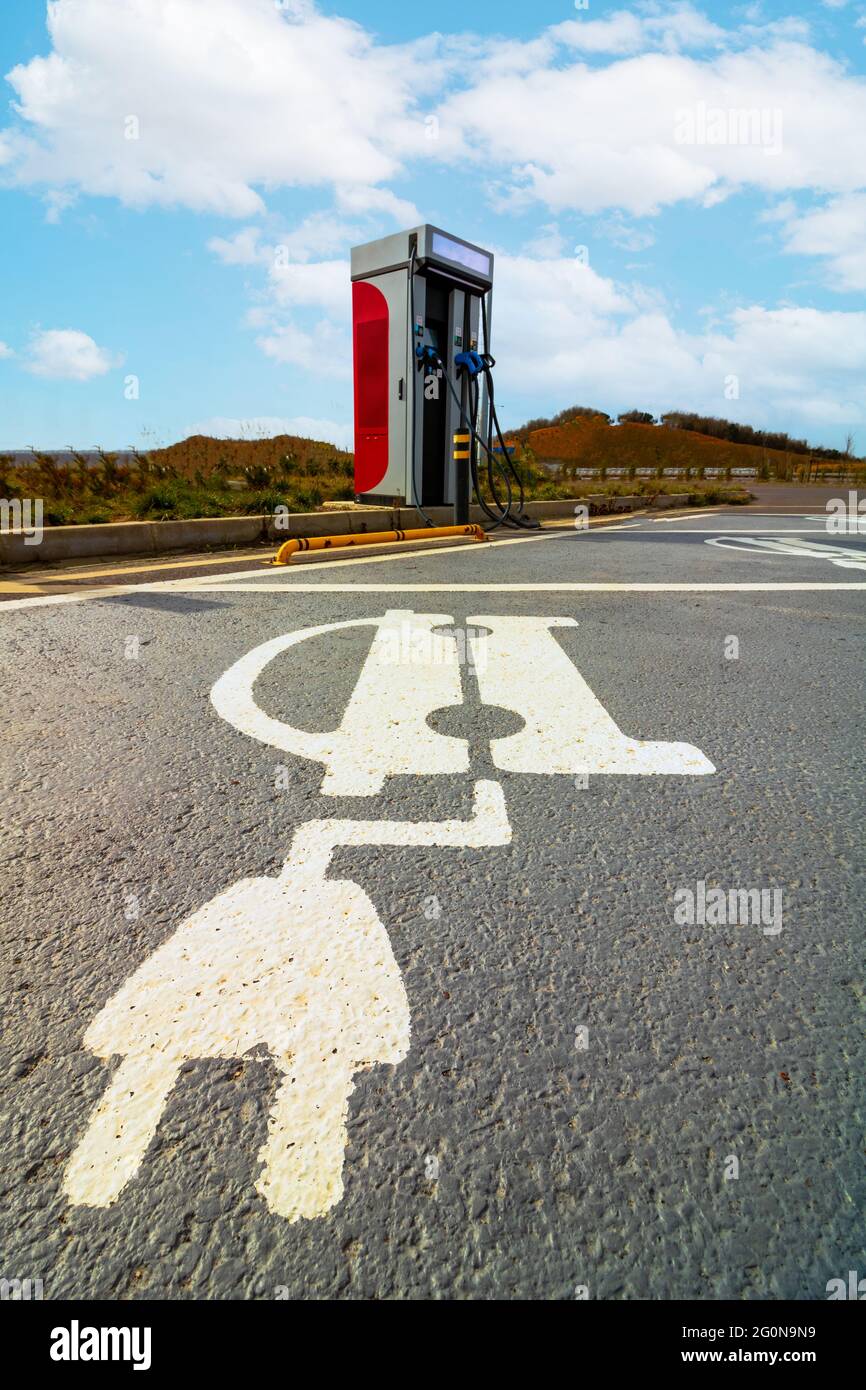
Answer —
416 309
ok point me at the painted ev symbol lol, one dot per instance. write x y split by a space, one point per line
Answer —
301 965
384 732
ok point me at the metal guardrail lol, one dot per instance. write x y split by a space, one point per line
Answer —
800 469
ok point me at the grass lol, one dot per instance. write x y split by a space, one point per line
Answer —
198 478
203 477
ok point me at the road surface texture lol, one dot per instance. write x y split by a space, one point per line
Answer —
556 1082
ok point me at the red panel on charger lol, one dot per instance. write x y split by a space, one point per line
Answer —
370 355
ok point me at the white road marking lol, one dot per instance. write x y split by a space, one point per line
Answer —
286 573
567 729
727 530
805 550
756 531
384 730
300 967
564 587
232 582
189 585
49 600
690 516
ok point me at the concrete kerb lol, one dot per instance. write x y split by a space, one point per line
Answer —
160 537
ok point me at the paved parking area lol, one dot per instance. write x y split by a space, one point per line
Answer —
469 924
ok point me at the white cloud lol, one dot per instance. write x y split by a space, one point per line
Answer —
56 202
617 230
779 212
5 351
564 333
301 311
67 354
317 235
548 243
593 343
241 249
268 426
232 98
178 102
358 198
626 32
592 138
324 351
837 232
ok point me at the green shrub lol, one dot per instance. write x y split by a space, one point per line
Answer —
258 475
175 500
266 503
57 513
308 498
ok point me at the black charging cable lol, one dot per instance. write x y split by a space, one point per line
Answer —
414 371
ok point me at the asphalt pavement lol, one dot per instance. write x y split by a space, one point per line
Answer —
386 968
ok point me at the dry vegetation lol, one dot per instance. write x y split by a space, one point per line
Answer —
591 442
579 451
198 477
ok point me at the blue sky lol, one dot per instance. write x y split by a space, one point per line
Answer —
675 194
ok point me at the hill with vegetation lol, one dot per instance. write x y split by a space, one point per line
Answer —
197 477
581 442
577 451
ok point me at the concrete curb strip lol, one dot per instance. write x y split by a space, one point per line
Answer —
160 537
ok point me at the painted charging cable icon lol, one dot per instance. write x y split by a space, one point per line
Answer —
299 968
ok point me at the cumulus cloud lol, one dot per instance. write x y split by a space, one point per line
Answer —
836 232
627 32
312 238
176 102
325 350
641 133
67 354
301 310
5 351
801 365
590 339
213 106
210 106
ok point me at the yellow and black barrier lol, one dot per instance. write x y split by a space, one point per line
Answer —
424 533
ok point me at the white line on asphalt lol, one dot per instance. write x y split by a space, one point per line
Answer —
110 591
488 549
226 582
691 516
753 531
561 588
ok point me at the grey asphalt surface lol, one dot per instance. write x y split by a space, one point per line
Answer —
558 1167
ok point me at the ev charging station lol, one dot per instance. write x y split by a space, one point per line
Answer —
421 301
